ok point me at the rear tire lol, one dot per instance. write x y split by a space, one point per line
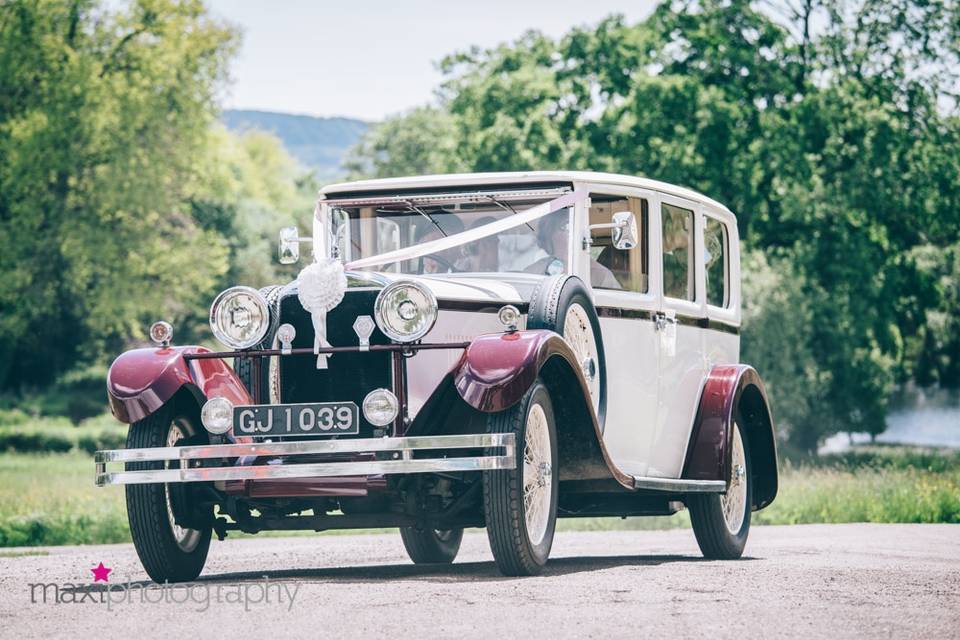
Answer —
520 505
429 546
721 522
168 552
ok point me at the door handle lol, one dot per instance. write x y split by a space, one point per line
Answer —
661 320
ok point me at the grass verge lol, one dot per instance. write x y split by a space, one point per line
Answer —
50 499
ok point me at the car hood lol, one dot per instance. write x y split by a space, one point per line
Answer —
500 288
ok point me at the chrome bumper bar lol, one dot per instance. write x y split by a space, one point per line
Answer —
403 461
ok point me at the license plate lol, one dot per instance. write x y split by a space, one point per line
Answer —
314 419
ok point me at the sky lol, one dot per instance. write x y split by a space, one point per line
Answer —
369 59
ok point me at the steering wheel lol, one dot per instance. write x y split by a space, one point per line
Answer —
443 262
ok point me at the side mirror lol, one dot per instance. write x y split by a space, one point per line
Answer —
624 230
289 245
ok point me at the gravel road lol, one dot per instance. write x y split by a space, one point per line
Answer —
801 581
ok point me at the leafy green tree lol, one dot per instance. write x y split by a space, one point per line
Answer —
418 142
830 128
102 117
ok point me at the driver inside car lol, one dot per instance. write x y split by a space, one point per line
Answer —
442 261
552 235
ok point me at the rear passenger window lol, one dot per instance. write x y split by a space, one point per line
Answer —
678 243
716 259
612 268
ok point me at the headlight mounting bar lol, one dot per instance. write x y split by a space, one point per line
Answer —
253 353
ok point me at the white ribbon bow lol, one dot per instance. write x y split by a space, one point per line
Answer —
320 288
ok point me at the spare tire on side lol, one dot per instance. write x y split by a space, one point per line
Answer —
562 303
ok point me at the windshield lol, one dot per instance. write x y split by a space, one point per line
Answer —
538 246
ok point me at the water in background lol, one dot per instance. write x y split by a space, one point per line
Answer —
924 417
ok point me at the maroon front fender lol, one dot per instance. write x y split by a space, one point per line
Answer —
733 392
497 369
142 380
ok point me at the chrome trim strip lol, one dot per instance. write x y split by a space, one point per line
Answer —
679 486
318 470
404 447
465 196
353 445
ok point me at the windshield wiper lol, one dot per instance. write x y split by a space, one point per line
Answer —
506 207
426 215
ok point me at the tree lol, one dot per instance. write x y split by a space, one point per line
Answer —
415 143
831 129
102 117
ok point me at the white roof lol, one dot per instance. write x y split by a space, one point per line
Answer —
516 177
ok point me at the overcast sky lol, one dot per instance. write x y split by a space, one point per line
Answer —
368 59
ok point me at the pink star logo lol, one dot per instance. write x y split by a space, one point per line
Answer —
101 572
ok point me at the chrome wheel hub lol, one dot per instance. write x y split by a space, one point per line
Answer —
537 475
578 333
734 501
185 538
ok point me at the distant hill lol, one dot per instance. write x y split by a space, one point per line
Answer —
318 143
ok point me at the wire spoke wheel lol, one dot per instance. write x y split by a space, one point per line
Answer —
537 472
185 538
733 502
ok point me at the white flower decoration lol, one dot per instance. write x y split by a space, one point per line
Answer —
321 286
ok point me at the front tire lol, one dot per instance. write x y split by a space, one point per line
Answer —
520 505
168 552
429 546
721 522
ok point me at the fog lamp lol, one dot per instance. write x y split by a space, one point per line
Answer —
380 407
217 415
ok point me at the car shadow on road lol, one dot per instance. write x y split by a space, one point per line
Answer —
457 572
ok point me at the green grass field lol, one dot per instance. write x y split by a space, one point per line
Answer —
50 499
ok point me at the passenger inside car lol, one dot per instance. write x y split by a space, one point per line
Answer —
484 254
552 236
442 261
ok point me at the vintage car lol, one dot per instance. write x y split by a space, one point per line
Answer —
483 350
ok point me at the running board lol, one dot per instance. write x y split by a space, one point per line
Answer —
674 485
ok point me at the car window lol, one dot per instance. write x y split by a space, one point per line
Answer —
612 268
678 244
540 246
716 259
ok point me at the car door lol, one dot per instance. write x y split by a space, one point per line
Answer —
682 364
625 303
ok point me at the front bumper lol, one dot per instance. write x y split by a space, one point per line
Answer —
237 458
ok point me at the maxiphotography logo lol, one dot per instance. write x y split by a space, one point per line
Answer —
199 596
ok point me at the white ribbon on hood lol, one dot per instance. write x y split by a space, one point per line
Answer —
320 288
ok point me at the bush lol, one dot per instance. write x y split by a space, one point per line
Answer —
32 441
57 435
106 439
892 457
78 395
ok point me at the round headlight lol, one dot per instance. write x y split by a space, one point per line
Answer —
239 317
405 311
380 407
217 415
